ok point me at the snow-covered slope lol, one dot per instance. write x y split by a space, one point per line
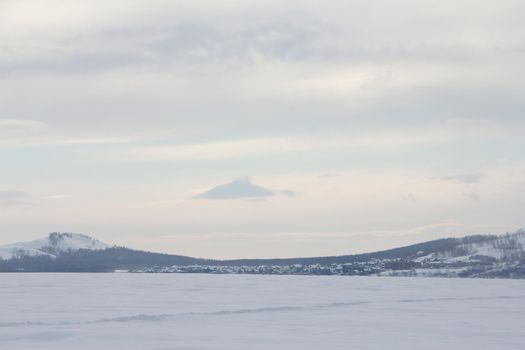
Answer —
52 245
501 248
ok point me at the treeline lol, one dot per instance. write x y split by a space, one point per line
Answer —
407 252
106 260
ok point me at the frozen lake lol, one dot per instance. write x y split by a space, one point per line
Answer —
175 311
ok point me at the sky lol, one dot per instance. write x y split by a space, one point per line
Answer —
238 129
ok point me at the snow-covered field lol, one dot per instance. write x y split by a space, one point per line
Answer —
177 311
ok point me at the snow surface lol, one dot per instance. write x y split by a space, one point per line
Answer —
55 242
189 311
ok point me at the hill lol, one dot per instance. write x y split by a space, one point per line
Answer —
471 256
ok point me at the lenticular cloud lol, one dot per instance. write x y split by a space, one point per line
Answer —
240 188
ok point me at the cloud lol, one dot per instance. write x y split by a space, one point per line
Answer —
12 197
14 130
240 188
463 178
322 141
243 188
16 133
21 124
218 150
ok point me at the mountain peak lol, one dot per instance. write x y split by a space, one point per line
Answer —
52 245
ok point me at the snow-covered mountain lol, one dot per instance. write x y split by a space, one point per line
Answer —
471 256
52 245
507 247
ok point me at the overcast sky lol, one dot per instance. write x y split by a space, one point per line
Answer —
231 129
